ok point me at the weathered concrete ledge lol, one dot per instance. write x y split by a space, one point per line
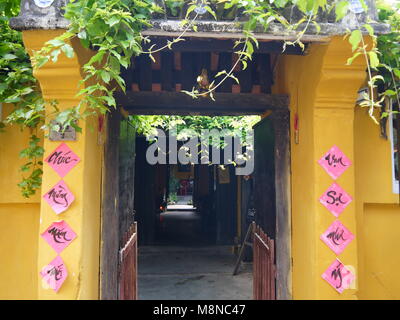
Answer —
34 17
220 29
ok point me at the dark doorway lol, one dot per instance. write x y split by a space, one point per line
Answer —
224 203
193 206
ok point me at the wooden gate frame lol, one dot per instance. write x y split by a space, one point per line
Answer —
109 238
110 201
283 227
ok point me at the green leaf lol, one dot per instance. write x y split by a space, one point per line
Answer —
56 42
113 21
249 47
364 5
54 54
26 90
9 56
211 11
124 63
389 93
355 39
317 26
234 78
82 34
280 3
67 49
373 59
3 87
85 43
105 76
369 29
97 57
302 5
110 101
190 9
220 73
341 10
350 60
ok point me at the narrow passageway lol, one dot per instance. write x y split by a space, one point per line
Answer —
192 273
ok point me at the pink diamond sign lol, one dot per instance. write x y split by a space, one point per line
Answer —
338 276
59 235
334 162
335 199
59 197
62 160
337 237
54 274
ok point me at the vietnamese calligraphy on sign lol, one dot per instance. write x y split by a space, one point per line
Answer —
335 199
335 162
338 276
59 197
337 237
62 160
54 274
59 235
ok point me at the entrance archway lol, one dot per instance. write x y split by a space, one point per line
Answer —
155 90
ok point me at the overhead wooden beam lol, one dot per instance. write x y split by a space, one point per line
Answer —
182 104
215 45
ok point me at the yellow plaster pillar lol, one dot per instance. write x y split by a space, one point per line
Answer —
334 106
59 81
323 91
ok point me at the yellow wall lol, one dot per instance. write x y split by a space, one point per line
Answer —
19 220
318 85
378 213
322 91
291 75
60 81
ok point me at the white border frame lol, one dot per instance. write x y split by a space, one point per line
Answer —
395 183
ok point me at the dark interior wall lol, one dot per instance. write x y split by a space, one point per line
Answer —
202 180
246 203
145 191
225 205
246 207
161 182
264 176
215 198
127 143
201 192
